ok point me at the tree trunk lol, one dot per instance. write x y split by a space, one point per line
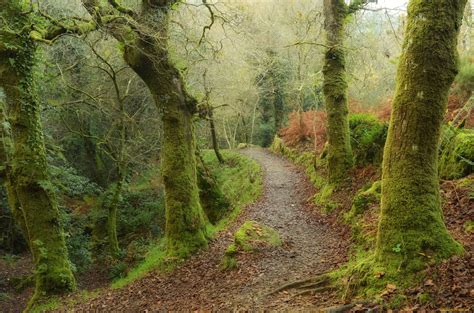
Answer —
6 153
112 217
215 143
185 219
146 52
335 92
411 224
29 177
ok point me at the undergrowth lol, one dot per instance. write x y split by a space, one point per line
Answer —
241 182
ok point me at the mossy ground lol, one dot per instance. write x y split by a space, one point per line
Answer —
457 153
250 237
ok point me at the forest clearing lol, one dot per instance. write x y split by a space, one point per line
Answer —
236 155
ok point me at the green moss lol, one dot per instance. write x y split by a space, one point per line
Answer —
339 156
368 137
411 216
365 197
36 208
469 226
457 153
250 237
215 204
423 298
240 179
323 199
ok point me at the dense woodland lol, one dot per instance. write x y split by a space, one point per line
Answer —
236 154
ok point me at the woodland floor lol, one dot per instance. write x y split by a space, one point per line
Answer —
310 246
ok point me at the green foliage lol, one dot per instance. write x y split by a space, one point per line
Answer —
118 270
215 204
265 134
67 181
457 153
465 78
4 296
141 213
240 179
368 137
11 238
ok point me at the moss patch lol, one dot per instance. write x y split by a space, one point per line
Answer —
250 237
457 153
368 137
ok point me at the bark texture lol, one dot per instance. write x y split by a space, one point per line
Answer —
411 223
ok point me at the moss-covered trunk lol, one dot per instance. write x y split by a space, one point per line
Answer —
6 155
335 92
411 228
146 52
29 182
185 219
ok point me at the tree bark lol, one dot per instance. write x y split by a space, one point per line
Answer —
411 223
215 143
30 189
340 158
185 219
146 52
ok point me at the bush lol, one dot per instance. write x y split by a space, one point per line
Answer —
305 127
368 137
78 227
265 134
68 182
456 153
11 238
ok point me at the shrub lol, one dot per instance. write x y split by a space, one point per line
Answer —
368 137
456 153
305 128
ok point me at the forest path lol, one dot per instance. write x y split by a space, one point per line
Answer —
309 247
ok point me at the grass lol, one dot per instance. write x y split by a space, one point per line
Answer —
56 302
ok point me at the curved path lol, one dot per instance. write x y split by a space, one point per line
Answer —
310 247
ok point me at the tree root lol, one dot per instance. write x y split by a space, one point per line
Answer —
312 291
310 283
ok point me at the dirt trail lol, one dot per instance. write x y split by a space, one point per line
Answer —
310 247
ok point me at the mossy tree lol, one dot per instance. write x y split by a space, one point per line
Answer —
30 192
144 35
411 229
340 158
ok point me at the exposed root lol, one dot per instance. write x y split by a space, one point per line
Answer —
311 283
312 291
